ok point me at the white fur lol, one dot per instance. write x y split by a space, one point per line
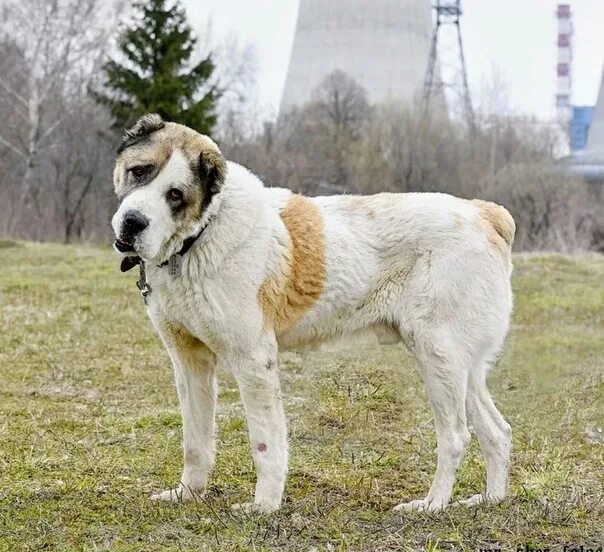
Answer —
418 267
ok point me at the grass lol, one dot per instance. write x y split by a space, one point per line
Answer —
89 426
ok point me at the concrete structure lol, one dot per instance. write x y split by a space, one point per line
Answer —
564 78
589 163
595 139
382 44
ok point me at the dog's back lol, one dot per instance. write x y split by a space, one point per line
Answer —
397 260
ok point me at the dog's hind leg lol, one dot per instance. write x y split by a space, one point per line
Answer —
194 367
258 382
494 435
446 381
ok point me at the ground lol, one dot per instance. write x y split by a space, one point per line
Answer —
90 427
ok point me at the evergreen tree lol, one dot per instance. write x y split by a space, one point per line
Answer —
156 75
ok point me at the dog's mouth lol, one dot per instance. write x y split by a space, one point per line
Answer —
124 246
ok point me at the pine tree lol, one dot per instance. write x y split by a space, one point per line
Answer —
156 75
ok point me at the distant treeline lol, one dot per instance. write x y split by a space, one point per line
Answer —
72 76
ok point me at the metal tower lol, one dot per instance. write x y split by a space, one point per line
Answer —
448 14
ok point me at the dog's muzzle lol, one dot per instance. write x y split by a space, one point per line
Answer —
123 247
133 224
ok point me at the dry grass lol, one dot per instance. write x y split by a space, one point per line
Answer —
89 426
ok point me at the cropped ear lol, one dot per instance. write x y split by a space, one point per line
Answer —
212 173
144 126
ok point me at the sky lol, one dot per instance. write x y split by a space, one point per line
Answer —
510 46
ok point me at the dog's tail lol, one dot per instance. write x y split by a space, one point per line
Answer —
505 225
500 228
498 221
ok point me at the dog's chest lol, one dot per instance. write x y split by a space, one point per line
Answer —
176 301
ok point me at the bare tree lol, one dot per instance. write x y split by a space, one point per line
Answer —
553 210
339 109
235 78
58 43
56 146
341 103
320 137
79 175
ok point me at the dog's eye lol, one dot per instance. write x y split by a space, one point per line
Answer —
140 171
174 195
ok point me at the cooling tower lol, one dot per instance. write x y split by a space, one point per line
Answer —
595 139
589 163
382 44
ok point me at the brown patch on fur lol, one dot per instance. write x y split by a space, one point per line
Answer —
498 224
156 148
286 297
181 337
262 447
195 146
140 154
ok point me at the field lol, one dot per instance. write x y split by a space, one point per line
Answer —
89 426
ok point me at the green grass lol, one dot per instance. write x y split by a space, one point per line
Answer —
89 425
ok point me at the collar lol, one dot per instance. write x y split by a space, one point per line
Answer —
131 261
187 244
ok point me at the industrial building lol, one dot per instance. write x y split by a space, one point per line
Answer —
383 44
579 127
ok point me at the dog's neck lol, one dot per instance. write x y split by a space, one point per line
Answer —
188 243
228 221
232 222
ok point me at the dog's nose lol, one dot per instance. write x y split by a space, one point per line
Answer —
134 223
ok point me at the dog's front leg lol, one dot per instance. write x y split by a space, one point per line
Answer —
194 370
258 383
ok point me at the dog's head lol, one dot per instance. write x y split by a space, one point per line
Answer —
165 177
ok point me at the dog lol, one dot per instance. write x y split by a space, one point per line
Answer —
233 271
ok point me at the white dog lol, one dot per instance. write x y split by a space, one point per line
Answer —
236 271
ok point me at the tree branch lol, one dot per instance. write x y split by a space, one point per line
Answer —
12 148
14 93
50 129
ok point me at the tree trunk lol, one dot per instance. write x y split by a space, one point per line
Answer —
29 194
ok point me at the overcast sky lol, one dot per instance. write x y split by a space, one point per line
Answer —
513 39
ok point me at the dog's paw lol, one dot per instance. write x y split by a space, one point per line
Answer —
254 508
422 505
179 494
477 499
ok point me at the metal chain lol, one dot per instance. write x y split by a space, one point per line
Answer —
142 284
